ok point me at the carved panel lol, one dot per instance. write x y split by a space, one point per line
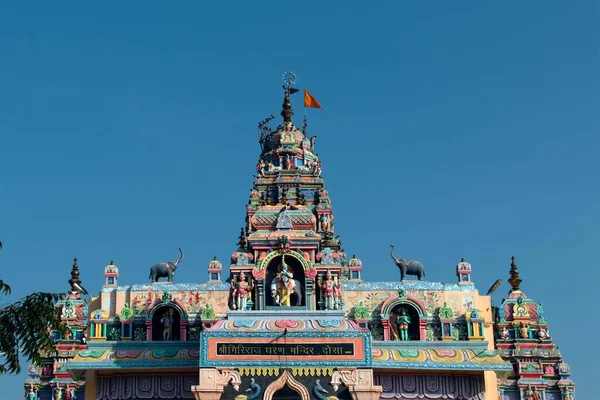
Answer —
430 387
146 387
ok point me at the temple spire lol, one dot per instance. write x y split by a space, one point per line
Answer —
514 280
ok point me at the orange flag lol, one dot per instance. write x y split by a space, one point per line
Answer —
310 101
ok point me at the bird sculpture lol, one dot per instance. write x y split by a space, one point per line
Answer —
254 388
318 391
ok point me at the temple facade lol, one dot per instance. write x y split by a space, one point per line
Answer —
292 318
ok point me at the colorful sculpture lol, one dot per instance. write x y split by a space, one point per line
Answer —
284 285
318 391
241 292
329 289
167 321
254 388
407 267
402 322
165 269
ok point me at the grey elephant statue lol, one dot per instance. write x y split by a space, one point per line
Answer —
165 269
407 267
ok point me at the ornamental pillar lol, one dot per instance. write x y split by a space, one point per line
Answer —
212 382
358 381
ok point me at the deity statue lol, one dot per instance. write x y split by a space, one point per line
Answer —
241 292
324 222
403 321
57 393
529 393
284 284
260 167
543 333
167 321
31 393
504 333
330 292
70 394
524 331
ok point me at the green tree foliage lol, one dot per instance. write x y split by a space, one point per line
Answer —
24 328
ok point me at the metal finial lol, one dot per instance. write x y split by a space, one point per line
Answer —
75 281
289 78
514 280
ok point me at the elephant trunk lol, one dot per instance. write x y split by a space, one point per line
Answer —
392 254
180 259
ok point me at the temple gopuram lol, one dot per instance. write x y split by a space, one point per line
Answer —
292 318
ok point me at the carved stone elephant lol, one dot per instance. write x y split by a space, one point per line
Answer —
165 269
407 267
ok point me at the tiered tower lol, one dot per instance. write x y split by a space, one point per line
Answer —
523 339
52 379
289 223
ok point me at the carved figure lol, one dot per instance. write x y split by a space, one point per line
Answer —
318 391
543 333
524 331
324 222
529 393
167 321
408 267
241 291
330 291
57 393
31 393
284 284
165 269
403 321
504 334
260 167
254 388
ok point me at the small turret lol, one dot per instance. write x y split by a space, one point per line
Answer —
214 270
463 271
355 267
111 273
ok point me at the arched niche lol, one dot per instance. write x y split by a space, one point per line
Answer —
414 309
286 387
162 313
272 267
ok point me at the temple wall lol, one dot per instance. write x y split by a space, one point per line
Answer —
155 386
410 386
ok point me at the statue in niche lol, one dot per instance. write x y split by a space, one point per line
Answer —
524 331
330 292
504 334
241 292
543 333
402 322
284 284
57 393
324 222
167 321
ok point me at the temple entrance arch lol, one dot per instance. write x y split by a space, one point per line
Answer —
286 393
286 388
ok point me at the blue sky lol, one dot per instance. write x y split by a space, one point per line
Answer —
451 129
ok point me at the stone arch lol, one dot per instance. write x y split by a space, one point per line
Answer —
286 379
